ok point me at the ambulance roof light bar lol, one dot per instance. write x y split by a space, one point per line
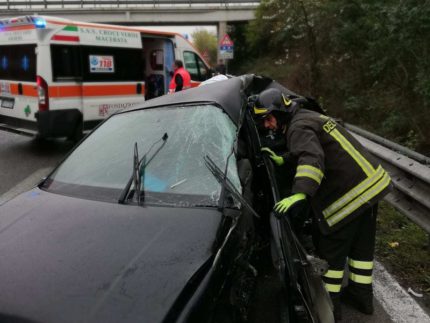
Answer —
39 22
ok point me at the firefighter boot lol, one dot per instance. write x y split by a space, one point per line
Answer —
363 302
337 308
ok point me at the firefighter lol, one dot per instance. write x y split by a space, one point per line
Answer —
181 79
342 183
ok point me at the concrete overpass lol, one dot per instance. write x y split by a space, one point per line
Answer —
136 12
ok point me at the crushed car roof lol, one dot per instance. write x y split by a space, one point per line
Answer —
229 94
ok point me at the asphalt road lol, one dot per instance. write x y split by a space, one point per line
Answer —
21 157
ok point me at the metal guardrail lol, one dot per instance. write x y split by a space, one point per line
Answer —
389 144
73 4
411 177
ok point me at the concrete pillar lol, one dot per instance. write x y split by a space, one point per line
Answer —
222 30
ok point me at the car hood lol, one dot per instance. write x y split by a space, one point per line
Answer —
65 259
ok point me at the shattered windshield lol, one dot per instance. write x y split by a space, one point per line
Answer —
102 165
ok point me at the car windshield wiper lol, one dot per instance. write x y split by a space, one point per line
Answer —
138 175
227 184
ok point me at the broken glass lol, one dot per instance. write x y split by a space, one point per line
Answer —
104 159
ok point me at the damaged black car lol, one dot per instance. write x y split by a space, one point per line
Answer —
161 215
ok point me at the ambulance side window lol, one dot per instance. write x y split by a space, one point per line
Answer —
195 66
105 64
204 71
191 65
66 63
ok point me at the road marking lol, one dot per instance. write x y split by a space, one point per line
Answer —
25 185
398 304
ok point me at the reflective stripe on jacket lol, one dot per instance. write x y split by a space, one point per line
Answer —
186 78
334 169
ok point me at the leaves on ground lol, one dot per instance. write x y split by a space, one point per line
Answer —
403 247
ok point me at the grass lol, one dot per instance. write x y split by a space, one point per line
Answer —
404 248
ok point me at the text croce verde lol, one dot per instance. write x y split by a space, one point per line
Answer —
109 36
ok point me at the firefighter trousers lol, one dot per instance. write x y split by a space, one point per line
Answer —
354 243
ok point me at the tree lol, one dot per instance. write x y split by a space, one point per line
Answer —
206 41
367 60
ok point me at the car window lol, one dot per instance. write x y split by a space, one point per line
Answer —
102 165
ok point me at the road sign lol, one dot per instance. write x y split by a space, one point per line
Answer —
226 47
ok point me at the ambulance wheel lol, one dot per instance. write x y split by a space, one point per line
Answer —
77 133
39 139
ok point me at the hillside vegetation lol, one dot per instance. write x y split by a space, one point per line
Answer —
365 61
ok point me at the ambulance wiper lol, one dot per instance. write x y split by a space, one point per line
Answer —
138 175
227 184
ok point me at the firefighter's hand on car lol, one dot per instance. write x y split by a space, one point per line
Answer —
289 203
278 160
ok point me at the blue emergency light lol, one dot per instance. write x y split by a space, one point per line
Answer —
25 63
4 63
39 22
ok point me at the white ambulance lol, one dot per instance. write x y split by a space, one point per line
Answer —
59 78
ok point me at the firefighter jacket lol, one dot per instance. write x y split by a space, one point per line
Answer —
186 80
341 178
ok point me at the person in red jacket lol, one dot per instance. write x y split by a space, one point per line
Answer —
181 79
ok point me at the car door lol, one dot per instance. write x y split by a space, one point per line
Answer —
304 297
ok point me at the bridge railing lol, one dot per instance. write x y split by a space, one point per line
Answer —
73 4
409 171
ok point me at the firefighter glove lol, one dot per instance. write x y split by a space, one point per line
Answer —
287 203
278 160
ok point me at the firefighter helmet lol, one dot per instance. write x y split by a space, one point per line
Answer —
269 101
